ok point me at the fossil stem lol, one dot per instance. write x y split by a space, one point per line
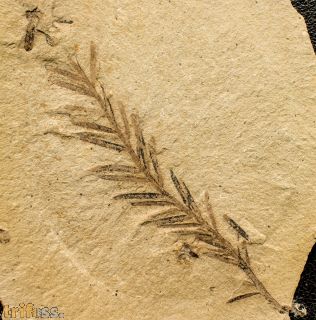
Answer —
261 288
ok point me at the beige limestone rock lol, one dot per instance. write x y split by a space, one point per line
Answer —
228 90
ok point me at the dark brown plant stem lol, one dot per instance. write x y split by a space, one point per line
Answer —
261 288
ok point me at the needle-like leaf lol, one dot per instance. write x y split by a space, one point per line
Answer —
243 296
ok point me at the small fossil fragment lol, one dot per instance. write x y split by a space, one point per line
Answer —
34 17
4 236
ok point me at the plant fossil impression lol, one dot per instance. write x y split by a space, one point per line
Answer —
179 212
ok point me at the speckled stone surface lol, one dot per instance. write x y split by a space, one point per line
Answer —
228 90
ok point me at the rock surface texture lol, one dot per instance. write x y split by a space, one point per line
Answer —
226 87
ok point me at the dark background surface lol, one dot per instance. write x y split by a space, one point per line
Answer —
305 293
307 8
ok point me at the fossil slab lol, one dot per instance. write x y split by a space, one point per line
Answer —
213 217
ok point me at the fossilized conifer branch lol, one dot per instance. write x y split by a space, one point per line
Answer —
179 212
